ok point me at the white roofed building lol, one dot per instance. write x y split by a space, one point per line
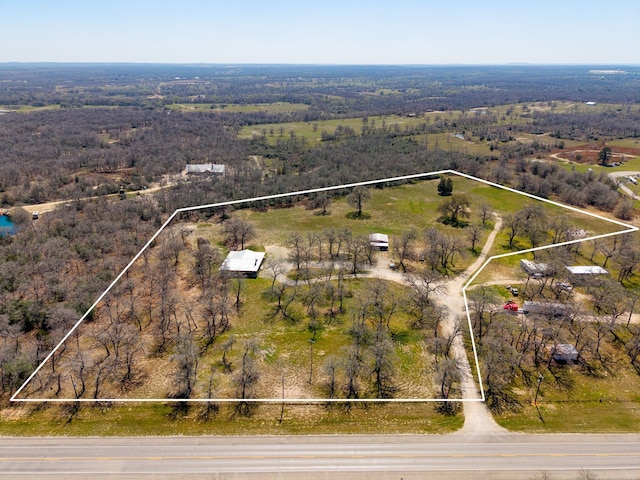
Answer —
587 270
244 263
205 168
379 241
535 269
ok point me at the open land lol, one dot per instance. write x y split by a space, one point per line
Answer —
103 137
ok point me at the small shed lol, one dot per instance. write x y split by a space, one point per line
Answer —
205 168
379 241
565 353
245 263
587 270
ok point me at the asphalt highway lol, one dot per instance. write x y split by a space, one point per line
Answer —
407 457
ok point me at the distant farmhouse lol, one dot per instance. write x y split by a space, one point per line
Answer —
245 263
205 169
379 241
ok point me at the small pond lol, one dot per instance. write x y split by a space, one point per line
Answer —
6 226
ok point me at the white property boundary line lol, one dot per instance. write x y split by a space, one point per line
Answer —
628 229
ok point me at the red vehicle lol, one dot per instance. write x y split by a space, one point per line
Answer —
511 306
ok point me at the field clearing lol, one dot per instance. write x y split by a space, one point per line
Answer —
278 107
312 131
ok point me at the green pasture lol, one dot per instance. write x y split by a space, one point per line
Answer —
397 209
632 164
312 131
29 108
278 107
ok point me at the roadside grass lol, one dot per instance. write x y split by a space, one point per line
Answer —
305 419
603 404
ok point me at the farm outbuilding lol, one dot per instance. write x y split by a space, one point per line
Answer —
587 270
379 241
564 353
245 263
535 269
545 308
205 168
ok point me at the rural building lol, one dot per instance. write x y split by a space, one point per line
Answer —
565 352
245 263
379 241
205 169
587 270
576 233
544 308
535 269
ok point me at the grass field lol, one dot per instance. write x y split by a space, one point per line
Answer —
278 107
607 404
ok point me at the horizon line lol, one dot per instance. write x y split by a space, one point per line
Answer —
318 64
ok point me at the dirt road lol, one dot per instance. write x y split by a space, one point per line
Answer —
478 420
168 181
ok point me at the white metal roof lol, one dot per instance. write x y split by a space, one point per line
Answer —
565 349
378 238
205 168
587 270
243 261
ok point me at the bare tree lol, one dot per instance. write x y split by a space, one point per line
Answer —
296 246
185 360
357 248
246 379
514 225
226 348
357 198
206 258
330 368
275 266
238 232
486 211
448 381
402 247
215 312
474 233
383 357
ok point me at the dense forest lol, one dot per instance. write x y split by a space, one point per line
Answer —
79 133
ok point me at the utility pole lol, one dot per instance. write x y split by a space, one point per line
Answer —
540 379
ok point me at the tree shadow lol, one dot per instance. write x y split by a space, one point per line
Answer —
358 216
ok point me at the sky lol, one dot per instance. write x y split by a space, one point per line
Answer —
321 32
